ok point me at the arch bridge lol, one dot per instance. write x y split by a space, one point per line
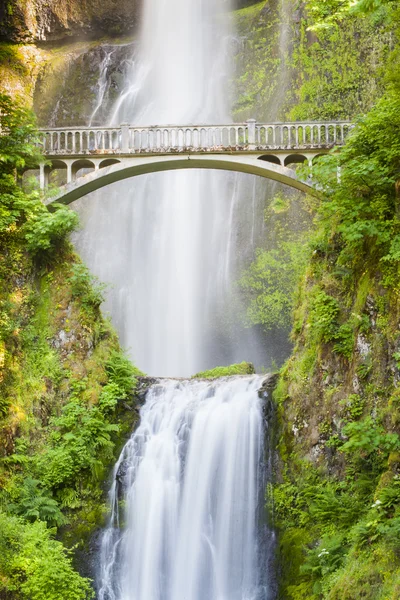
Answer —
115 153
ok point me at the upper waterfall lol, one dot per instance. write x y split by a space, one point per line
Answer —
167 243
181 71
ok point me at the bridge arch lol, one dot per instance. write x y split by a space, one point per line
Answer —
132 167
272 158
108 162
78 165
294 159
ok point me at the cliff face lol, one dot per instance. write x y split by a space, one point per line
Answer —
55 20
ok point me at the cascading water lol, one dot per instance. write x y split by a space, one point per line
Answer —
187 497
167 243
189 480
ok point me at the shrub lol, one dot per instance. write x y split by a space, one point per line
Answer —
45 229
34 566
34 504
323 316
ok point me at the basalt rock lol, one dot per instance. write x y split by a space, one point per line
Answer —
59 20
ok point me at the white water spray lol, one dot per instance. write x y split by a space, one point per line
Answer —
190 480
167 242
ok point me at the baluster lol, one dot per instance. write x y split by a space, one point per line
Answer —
297 135
204 138
319 134
274 135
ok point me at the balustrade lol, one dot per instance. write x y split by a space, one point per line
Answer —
249 136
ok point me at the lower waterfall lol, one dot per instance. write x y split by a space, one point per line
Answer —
187 497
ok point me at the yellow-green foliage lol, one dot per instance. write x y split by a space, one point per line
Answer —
336 70
243 368
337 500
63 379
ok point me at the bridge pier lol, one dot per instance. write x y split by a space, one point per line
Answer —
43 177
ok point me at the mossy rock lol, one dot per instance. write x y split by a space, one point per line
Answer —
243 368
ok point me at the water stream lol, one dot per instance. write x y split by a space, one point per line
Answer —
187 495
168 243
187 502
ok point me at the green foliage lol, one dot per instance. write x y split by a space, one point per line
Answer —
336 84
86 286
122 373
324 314
34 566
61 379
270 282
81 443
45 229
34 504
344 340
18 127
369 437
362 207
243 368
330 13
23 216
354 405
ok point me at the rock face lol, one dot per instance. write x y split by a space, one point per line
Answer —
68 86
58 20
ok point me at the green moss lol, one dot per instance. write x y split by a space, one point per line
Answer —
338 65
243 368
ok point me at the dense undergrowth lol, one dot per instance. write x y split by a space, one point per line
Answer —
64 384
337 500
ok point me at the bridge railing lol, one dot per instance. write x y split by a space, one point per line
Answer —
251 136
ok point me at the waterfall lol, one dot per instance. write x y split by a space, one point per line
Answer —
167 243
187 495
186 501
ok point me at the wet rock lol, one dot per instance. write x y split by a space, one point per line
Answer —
268 385
363 347
122 472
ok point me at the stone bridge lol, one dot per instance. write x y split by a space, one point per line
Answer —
115 153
